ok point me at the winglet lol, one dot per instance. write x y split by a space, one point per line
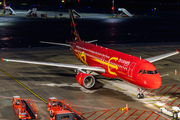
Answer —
176 50
2 58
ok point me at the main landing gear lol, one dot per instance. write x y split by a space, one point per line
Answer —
140 94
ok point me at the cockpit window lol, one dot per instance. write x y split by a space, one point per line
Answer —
144 72
140 71
155 72
149 72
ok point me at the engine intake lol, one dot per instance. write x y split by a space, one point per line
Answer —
85 80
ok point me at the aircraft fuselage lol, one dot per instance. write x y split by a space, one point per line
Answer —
118 65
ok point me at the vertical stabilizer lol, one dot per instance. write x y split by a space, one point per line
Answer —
74 32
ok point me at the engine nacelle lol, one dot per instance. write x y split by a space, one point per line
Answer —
85 80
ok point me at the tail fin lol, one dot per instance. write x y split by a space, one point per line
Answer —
74 32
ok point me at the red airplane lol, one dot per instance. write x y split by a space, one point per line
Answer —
108 63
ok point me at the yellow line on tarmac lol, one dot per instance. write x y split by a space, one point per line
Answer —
133 94
156 105
23 86
55 59
160 99
157 96
118 88
103 81
59 61
52 57
136 95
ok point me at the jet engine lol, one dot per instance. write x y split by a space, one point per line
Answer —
85 80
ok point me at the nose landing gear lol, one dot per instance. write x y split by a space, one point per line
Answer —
140 94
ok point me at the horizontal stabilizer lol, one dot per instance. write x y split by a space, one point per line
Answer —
91 41
55 43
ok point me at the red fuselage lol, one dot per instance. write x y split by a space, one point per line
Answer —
118 65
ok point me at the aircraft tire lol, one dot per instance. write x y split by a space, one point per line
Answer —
142 95
139 96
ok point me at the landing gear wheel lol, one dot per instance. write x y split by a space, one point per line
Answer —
139 96
142 95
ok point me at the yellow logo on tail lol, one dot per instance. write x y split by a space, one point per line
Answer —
81 57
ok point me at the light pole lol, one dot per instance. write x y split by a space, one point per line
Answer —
113 7
4 7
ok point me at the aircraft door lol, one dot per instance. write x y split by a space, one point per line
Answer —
131 68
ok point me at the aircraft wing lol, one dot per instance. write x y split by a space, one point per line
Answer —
55 43
63 44
80 67
160 57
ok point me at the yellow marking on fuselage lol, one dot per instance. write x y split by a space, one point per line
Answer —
129 78
105 63
113 58
80 56
79 80
108 64
121 72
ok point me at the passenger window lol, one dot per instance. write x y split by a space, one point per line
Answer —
140 71
144 72
149 72
155 72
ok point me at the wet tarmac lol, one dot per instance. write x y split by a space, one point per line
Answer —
46 81
20 38
52 81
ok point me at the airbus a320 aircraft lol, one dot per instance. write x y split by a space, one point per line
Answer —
108 63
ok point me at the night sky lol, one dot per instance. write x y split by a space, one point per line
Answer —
129 4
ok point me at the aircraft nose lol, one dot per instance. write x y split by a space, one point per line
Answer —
157 82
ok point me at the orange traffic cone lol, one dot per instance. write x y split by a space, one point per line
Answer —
175 72
127 107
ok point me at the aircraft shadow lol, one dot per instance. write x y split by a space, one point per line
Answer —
98 85
57 74
105 78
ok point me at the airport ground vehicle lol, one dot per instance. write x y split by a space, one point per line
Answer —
24 109
63 110
175 112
